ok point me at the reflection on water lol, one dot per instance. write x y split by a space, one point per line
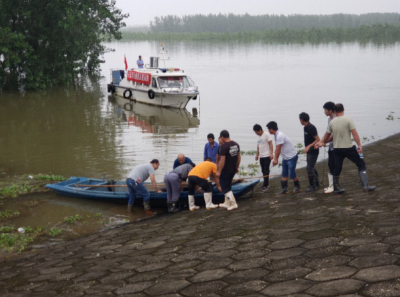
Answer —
155 119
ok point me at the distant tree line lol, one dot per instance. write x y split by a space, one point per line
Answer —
377 33
229 23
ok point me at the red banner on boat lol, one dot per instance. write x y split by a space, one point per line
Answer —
139 77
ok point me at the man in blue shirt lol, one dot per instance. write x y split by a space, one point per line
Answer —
140 62
211 148
181 160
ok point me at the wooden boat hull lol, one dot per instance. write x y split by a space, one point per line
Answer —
98 189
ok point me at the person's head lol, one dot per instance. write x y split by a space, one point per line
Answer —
208 159
339 108
181 158
224 134
140 57
272 127
220 141
155 163
210 138
304 118
258 130
329 108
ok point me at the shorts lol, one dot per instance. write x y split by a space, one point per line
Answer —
225 181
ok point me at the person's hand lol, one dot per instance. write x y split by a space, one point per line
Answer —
220 189
275 162
306 149
199 190
360 150
256 157
159 191
318 145
218 174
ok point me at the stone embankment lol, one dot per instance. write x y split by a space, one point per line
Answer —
306 244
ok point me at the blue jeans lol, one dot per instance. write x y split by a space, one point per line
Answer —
136 188
289 167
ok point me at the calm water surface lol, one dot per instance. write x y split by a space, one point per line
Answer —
86 132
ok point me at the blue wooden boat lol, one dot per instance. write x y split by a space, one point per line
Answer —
109 190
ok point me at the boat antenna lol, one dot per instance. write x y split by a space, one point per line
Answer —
163 52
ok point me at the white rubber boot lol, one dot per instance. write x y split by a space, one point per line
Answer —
208 200
192 206
232 200
329 189
226 203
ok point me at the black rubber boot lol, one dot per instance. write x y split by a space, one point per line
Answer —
336 186
284 187
312 186
296 187
364 180
316 180
172 208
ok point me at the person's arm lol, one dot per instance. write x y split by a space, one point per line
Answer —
277 154
205 152
271 149
258 152
308 147
322 142
154 183
357 139
221 165
238 162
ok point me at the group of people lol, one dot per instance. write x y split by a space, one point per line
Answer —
222 161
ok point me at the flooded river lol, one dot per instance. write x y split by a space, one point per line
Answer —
86 132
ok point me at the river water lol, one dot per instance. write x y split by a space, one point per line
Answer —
84 131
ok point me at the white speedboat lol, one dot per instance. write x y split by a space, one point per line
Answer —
161 86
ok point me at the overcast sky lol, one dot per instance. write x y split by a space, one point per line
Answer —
142 12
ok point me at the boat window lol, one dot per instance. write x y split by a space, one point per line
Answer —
153 83
174 82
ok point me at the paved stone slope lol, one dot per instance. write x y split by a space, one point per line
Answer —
293 245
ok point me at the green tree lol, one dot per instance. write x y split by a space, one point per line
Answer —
50 42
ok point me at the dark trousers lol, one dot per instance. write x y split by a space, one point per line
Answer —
311 171
264 164
349 153
331 161
225 181
201 182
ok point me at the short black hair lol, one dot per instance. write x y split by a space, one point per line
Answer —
155 161
208 159
329 106
304 116
339 107
224 134
272 125
210 135
257 127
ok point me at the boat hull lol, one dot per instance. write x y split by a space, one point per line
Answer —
119 193
166 99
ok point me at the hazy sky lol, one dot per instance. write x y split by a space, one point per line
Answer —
142 12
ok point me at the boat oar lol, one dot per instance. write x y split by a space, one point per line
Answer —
101 186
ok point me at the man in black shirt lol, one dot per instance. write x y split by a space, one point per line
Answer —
228 166
310 139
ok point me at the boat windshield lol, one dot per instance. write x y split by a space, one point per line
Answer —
175 82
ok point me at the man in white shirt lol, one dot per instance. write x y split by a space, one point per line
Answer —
285 148
265 151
